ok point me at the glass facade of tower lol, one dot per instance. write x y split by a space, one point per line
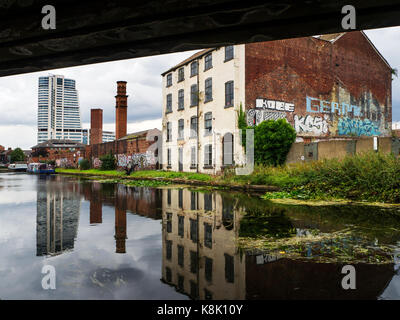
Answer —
58 109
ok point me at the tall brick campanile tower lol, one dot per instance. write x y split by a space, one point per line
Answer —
121 109
96 126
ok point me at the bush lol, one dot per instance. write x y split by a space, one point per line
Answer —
84 164
108 162
272 141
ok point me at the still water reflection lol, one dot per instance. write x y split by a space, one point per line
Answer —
109 241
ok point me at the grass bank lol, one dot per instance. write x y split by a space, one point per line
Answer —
370 177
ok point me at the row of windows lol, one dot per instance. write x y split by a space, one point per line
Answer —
193 127
194 266
194 66
208 162
208 95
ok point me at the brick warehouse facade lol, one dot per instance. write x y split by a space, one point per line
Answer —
327 87
331 86
140 148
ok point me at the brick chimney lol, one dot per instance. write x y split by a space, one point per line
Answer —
121 108
96 126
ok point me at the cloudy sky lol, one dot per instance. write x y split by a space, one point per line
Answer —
97 87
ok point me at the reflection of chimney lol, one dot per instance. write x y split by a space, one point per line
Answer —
96 126
121 108
120 229
96 211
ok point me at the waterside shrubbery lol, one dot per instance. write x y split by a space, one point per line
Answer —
370 176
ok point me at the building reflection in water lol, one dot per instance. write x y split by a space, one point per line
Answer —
201 258
199 253
142 201
57 219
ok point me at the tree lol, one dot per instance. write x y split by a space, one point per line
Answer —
17 155
272 141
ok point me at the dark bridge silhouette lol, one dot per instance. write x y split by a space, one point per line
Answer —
95 31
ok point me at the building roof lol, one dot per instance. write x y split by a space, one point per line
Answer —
333 37
195 56
149 133
59 143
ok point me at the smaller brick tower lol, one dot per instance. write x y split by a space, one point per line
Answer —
96 126
121 109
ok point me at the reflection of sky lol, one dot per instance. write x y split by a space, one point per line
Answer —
92 270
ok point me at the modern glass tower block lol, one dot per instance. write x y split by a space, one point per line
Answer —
58 109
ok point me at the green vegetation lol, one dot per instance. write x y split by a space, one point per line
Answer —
91 172
371 177
272 139
17 155
272 142
108 162
171 175
84 164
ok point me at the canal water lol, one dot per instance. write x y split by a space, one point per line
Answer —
110 241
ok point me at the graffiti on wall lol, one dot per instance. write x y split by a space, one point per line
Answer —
138 160
268 110
96 163
358 127
274 105
309 124
316 105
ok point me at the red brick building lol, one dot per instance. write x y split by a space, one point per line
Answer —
65 153
326 87
331 85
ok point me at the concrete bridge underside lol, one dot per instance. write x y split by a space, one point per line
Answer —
93 31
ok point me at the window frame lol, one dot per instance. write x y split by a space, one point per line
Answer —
208 61
229 85
181 129
228 58
194 63
168 107
208 125
208 94
208 163
181 74
181 99
169 131
169 80
194 98
193 131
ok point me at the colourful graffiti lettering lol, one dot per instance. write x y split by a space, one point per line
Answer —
308 124
321 106
358 127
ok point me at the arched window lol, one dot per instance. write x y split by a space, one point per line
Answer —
227 146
